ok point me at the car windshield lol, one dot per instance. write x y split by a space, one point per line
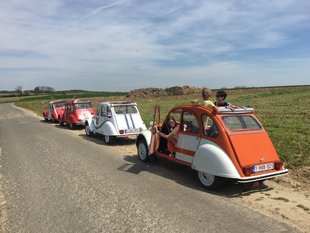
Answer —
241 123
82 105
125 109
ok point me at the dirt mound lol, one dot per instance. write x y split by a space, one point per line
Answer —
158 92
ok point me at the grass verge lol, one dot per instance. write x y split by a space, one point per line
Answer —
283 111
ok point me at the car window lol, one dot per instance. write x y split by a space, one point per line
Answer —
241 123
175 115
98 110
59 105
103 111
109 112
125 109
210 128
190 123
82 105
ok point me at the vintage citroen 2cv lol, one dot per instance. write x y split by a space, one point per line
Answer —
76 112
115 119
228 145
54 110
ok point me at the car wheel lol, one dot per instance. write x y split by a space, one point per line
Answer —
108 139
143 151
208 181
88 132
45 118
60 122
72 126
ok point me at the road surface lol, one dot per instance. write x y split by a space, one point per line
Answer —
53 180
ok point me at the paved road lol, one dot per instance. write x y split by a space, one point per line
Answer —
52 180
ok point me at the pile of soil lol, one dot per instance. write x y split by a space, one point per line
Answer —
159 92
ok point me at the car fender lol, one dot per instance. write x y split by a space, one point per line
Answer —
146 135
45 113
109 129
90 122
212 159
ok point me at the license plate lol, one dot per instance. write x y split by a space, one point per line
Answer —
263 167
130 130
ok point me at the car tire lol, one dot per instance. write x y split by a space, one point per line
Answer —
109 139
88 132
72 126
143 151
209 182
45 118
60 122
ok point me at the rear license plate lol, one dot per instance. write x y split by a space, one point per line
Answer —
263 167
130 130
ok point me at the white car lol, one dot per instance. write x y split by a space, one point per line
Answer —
115 119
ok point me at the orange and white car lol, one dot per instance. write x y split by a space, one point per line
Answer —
226 145
54 110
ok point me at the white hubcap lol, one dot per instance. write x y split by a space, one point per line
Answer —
87 130
206 179
142 151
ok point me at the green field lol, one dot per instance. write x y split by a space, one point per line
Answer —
284 112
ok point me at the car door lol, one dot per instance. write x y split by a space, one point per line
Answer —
50 109
66 113
101 118
188 138
97 118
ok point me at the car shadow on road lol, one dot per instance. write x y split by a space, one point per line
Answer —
186 176
99 139
66 127
44 121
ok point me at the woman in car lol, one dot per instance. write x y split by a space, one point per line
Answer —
172 136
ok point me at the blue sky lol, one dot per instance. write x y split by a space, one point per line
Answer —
128 44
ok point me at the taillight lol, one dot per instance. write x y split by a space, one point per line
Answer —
247 170
279 166
121 132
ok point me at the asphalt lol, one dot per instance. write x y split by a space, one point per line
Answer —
54 181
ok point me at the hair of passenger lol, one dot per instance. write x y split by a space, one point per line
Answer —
171 118
206 93
222 94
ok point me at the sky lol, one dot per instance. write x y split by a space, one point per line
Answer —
105 45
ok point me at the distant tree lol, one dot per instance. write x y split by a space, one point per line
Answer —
43 89
19 90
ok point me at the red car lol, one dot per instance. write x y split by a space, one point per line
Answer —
76 112
54 110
